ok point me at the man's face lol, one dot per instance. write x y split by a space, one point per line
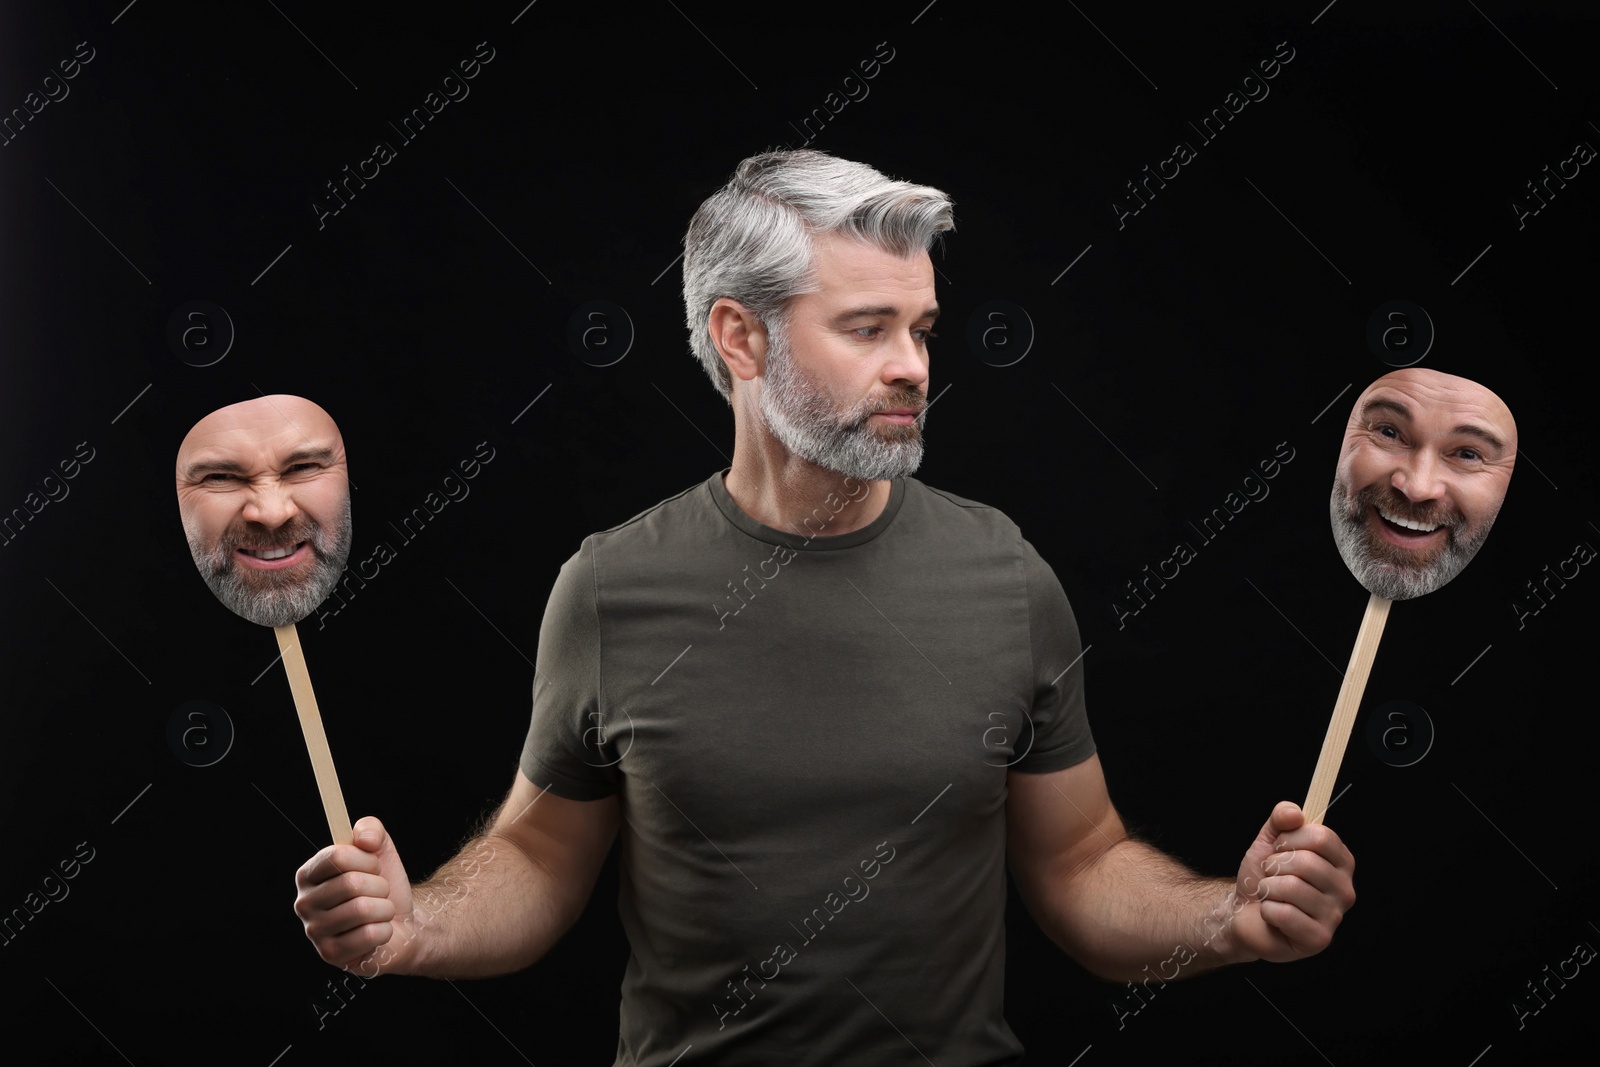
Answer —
1426 461
265 502
846 374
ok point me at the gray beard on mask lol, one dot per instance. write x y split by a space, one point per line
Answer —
276 598
803 418
1385 569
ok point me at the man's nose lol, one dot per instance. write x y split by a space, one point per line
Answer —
1419 477
271 505
908 363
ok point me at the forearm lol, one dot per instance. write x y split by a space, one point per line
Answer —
490 910
1133 912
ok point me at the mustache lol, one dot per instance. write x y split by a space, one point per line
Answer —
898 399
282 537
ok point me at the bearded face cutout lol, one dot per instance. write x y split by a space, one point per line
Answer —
1422 473
265 503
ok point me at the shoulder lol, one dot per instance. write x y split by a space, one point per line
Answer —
683 517
660 544
978 524
631 555
957 513
948 497
695 498
678 512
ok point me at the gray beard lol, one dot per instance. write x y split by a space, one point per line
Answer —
1380 567
269 598
803 419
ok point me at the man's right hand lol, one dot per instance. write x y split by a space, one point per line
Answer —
495 907
352 898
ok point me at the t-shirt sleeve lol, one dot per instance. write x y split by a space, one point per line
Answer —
568 750
1060 719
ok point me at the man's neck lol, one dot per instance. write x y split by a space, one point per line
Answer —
781 490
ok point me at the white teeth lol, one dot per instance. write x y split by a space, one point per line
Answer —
1410 524
271 553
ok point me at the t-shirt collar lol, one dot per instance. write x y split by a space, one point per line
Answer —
807 539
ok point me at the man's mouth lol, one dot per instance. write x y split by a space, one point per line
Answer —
274 557
1405 532
1409 524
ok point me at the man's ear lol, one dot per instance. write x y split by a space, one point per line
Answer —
740 337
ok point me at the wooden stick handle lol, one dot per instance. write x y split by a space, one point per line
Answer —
1345 708
305 703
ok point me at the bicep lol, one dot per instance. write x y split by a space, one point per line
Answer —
1056 824
566 839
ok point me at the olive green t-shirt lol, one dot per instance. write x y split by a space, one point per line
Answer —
810 734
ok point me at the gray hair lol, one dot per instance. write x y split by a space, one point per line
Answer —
751 240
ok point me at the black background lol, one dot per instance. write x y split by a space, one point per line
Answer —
1228 316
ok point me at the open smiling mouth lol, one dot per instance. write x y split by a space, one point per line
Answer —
1407 533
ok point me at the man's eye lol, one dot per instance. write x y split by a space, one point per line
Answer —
216 478
1388 431
866 333
924 336
1470 454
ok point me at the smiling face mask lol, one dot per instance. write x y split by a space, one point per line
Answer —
1424 468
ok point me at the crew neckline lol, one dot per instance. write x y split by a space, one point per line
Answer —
819 542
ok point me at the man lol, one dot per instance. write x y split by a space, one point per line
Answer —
265 502
822 700
1426 462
